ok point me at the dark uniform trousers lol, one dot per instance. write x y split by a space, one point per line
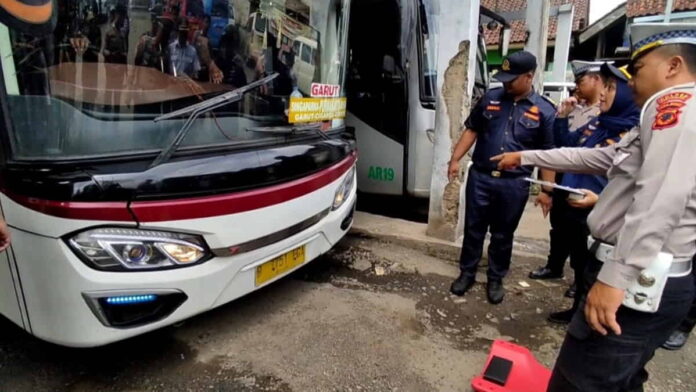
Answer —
569 234
590 362
688 324
559 239
495 204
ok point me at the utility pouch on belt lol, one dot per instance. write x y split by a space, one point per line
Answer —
645 293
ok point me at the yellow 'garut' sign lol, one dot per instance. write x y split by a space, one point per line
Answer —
304 110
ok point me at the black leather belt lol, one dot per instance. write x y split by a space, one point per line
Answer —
498 173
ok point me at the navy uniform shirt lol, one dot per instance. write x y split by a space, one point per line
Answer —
503 125
589 135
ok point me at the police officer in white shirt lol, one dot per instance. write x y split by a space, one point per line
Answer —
643 226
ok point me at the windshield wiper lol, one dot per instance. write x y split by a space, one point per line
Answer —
292 129
199 108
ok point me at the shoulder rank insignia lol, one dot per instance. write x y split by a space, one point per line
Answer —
549 101
669 109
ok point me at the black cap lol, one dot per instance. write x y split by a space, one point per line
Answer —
516 64
611 71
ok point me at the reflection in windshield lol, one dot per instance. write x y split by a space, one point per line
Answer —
111 66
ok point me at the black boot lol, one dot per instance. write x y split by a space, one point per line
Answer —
462 284
572 291
544 273
495 291
562 317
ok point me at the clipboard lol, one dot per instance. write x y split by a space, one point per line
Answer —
573 193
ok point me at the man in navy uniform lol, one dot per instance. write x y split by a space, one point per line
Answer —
512 118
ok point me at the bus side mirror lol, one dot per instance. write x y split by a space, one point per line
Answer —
504 40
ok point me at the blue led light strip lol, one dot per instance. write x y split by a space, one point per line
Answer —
131 299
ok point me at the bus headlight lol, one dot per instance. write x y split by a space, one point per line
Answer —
343 191
132 249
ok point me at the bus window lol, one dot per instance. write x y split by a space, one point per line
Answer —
306 54
481 73
296 47
305 67
260 24
427 45
98 77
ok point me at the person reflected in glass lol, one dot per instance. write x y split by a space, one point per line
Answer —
115 46
184 58
149 52
210 70
230 57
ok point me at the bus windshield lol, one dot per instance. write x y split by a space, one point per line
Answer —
94 85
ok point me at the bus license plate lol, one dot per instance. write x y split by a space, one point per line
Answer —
280 265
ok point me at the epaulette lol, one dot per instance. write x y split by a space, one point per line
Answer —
495 91
549 100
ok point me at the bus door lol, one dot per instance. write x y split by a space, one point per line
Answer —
423 88
377 95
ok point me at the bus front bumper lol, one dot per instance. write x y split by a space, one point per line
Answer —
68 305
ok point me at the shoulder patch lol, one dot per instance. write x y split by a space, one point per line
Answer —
669 109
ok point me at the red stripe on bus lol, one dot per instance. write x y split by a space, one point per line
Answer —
83 210
203 207
191 208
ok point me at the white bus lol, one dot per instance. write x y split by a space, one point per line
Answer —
137 198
